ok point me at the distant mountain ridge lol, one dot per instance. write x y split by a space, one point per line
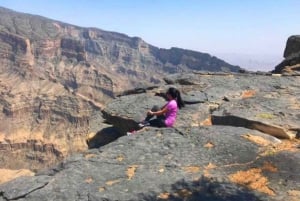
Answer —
120 55
252 62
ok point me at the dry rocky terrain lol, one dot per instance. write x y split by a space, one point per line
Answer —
68 95
236 139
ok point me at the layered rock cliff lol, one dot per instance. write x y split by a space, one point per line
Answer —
57 50
56 77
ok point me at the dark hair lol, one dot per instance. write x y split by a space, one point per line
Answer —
174 93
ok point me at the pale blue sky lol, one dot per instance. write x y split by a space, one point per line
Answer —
253 29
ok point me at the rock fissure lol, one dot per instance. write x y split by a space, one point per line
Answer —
255 125
2 195
25 194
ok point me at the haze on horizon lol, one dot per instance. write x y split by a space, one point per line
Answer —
250 33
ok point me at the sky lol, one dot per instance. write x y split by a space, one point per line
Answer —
249 33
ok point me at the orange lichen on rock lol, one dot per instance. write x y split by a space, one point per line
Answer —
206 122
210 166
209 145
183 193
164 196
112 182
294 195
88 156
131 171
257 139
285 145
102 189
288 145
253 179
269 167
89 180
248 93
192 169
120 158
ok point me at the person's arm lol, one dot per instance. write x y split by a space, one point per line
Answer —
158 113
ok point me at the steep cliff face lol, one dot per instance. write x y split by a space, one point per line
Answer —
128 61
291 63
56 77
42 122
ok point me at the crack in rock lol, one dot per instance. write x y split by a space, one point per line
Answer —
23 186
236 121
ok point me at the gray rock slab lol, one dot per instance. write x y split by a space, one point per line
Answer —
274 115
271 101
22 186
193 97
127 111
150 164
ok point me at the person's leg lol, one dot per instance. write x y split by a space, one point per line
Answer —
155 108
158 122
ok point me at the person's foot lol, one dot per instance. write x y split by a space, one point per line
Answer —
143 124
131 133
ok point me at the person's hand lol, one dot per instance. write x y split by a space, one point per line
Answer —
150 112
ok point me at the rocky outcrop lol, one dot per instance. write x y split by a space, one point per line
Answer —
292 46
291 64
264 103
225 145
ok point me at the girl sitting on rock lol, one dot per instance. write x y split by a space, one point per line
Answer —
165 116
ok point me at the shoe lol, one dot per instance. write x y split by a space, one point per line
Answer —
131 133
143 124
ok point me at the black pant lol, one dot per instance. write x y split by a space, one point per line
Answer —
159 121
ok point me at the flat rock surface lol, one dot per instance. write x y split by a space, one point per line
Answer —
163 164
266 103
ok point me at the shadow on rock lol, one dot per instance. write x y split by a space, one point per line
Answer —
205 189
103 137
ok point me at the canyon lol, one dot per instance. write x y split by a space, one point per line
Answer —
68 95
55 78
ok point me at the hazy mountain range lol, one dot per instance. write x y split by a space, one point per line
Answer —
252 62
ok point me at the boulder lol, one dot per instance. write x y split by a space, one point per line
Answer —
291 64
